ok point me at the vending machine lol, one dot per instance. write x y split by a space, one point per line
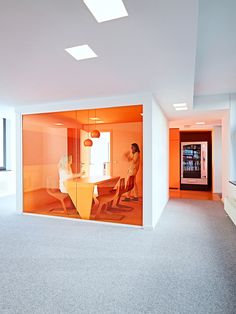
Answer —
194 163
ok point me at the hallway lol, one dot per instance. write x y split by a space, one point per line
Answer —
187 265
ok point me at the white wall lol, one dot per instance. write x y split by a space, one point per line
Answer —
217 159
232 121
229 150
7 178
228 190
147 165
160 161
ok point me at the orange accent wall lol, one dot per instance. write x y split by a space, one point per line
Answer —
74 148
174 160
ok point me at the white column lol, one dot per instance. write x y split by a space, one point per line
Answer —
160 161
147 165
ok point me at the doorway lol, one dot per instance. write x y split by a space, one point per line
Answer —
95 160
196 160
191 164
100 155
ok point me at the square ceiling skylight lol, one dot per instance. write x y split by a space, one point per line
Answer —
106 10
81 52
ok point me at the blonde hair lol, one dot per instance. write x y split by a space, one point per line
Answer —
64 161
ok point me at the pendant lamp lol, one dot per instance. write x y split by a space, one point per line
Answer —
88 142
95 133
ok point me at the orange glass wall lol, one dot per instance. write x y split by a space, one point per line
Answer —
47 137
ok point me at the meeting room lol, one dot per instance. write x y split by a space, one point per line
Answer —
85 164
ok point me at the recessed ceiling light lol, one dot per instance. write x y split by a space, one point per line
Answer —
81 52
200 123
181 108
58 124
100 121
94 118
106 10
180 105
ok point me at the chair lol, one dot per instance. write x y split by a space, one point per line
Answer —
106 195
124 188
54 191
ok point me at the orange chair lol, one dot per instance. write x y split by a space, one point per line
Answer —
124 189
106 195
54 191
103 201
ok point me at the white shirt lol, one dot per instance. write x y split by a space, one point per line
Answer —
134 164
64 175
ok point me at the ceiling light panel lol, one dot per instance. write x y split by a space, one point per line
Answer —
200 123
81 52
106 10
180 105
181 108
94 118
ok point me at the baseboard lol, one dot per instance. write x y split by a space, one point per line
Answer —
230 208
148 228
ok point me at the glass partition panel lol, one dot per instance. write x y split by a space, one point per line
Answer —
85 164
49 144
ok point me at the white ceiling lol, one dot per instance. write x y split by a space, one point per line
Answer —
153 50
210 118
216 48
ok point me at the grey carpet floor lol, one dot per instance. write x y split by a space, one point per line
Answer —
187 265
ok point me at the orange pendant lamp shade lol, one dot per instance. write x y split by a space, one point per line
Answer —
95 134
88 142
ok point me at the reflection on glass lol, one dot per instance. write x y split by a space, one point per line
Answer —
63 177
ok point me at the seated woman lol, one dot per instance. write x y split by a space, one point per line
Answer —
65 172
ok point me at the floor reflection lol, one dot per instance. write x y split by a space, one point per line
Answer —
124 213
